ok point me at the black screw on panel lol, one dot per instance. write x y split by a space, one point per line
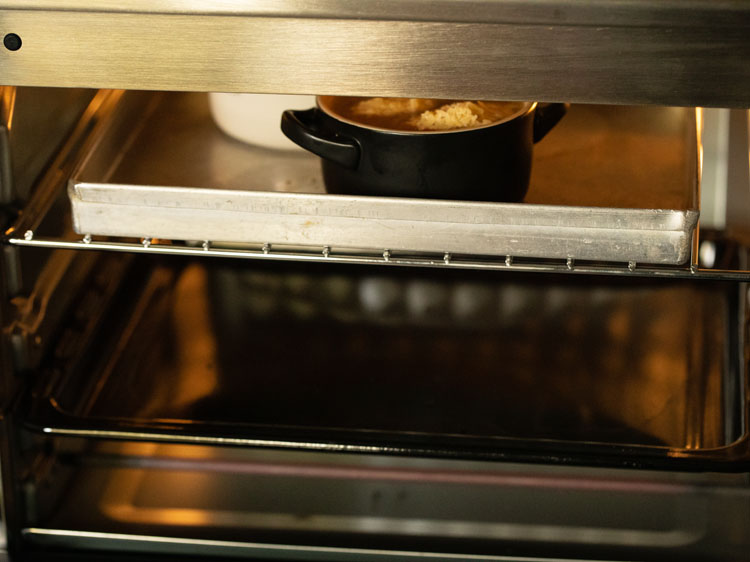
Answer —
12 42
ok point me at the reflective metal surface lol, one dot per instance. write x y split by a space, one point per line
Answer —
462 360
693 13
148 543
341 222
3 522
673 53
38 121
266 252
131 496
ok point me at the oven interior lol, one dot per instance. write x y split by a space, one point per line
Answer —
298 404
206 356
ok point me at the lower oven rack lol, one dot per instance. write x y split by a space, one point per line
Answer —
431 399
734 458
121 542
637 219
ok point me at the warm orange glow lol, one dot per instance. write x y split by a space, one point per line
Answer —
97 101
699 135
7 105
197 358
164 515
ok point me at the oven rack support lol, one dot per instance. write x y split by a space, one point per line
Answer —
386 257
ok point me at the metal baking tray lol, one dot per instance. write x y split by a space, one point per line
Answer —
613 184
635 373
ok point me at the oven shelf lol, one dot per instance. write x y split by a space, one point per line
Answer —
613 191
268 252
448 363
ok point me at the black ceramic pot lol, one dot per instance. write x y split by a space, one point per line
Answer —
487 163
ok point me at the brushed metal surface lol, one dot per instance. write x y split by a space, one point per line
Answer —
650 236
145 543
697 59
693 13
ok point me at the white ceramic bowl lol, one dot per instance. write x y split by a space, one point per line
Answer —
256 118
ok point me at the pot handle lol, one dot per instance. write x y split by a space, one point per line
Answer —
546 117
303 128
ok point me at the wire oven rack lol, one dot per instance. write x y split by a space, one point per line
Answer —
641 234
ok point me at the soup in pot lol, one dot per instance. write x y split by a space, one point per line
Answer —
415 114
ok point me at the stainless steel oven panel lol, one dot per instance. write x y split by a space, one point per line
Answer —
639 52
285 505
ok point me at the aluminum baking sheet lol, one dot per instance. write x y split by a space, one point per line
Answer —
610 183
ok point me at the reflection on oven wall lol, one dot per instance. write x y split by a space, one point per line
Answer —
725 197
723 176
447 331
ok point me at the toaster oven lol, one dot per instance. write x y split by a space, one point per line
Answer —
206 356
